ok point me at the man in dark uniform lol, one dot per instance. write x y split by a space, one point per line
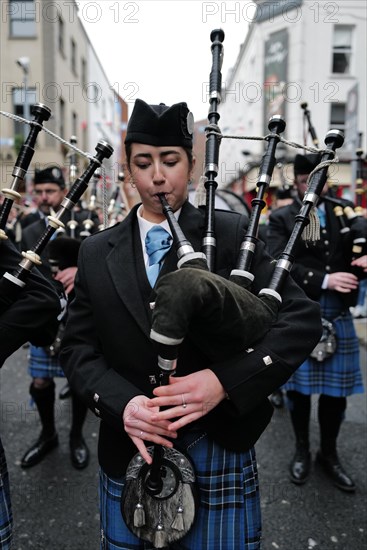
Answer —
50 188
32 317
324 271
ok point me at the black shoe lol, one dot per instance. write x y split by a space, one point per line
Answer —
336 472
300 466
65 392
79 452
39 450
277 400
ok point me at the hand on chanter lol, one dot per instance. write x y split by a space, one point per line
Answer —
361 262
138 424
188 398
342 281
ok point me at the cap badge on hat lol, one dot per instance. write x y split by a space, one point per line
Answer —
190 122
56 173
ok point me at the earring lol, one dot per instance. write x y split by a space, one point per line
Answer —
132 184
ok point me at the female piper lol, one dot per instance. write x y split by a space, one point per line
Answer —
213 411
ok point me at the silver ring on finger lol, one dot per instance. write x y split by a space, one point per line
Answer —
184 404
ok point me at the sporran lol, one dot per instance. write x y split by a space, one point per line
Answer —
165 517
326 346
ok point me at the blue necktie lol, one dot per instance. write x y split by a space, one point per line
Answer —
157 244
322 216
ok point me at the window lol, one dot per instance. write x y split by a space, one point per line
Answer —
337 116
61 36
84 72
342 49
22 14
73 56
19 103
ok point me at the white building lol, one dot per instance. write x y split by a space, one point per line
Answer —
297 51
103 112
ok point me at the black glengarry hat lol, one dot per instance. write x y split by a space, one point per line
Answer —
53 174
304 164
160 125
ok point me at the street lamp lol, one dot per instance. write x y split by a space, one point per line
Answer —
23 63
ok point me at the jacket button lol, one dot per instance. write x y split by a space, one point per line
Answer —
98 412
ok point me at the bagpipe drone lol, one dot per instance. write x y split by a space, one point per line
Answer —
11 284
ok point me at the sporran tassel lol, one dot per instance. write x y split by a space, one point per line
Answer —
178 522
139 515
311 232
159 537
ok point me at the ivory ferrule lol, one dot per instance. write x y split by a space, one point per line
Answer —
11 194
55 222
243 273
271 292
14 280
189 257
162 339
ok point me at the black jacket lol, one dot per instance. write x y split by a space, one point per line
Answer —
313 261
108 356
33 316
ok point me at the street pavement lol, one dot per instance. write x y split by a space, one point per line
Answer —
56 507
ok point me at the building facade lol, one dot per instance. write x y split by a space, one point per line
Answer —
47 57
296 52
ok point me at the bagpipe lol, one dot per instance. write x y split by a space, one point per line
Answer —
41 114
159 501
12 284
63 247
352 227
352 223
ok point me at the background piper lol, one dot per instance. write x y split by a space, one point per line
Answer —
324 271
50 189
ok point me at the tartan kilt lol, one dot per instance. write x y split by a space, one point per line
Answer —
42 365
6 516
228 517
339 375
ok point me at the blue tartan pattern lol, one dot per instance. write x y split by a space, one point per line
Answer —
6 516
340 374
229 515
42 365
